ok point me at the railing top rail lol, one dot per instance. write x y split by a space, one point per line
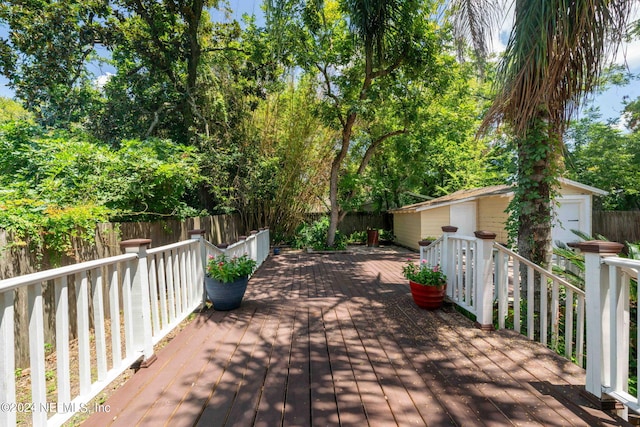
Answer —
41 276
435 242
461 237
539 269
176 245
212 246
622 262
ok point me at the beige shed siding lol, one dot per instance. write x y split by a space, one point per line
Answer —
406 228
570 191
433 220
492 216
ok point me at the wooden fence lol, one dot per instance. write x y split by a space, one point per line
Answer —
617 226
360 221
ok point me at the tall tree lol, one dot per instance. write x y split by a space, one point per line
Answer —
371 57
556 52
46 54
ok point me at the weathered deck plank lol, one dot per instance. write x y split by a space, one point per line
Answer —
328 340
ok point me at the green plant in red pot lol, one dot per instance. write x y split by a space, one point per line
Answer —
428 284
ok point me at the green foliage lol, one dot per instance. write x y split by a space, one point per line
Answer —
530 211
424 274
11 110
46 54
228 270
283 175
315 236
440 155
58 184
375 63
592 147
357 237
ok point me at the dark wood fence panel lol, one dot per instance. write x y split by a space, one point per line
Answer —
360 221
617 226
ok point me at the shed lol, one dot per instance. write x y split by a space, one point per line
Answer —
485 209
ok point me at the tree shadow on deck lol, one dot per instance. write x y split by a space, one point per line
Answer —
337 340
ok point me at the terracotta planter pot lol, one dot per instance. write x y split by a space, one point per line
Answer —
428 297
226 296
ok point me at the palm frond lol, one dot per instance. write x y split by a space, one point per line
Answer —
554 57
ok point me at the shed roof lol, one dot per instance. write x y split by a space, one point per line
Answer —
462 196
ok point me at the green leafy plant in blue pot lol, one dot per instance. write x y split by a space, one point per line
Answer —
226 280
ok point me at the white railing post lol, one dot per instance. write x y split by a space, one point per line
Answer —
598 317
483 298
7 357
423 244
253 245
140 302
447 261
264 243
201 264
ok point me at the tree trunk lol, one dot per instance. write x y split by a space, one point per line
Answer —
539 165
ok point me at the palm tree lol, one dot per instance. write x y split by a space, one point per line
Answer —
554 57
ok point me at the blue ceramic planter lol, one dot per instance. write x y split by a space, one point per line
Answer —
226 296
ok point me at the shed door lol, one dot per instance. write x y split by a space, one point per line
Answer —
569 217
463 216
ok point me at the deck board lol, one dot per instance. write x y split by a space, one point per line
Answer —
335 339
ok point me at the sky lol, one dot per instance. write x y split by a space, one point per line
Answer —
609 102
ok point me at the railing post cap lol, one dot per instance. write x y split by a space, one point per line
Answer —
425 242
135 243
196 231
252 232
222 246
485 235
242 238
600 247
449 228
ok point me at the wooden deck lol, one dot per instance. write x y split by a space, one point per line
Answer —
330 340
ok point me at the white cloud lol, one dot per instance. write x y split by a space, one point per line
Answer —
102 80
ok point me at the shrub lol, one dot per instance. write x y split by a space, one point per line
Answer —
315 236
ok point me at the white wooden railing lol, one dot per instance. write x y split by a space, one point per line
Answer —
551 297
136 298
608 281
504 290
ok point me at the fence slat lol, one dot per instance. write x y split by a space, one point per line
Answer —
162 285
36 352
170 288
153 294
98 324
84 359
62 339
127 311
114 313
568 327
517 324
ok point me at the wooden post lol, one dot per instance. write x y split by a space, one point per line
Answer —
140 302
598 318
484 280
